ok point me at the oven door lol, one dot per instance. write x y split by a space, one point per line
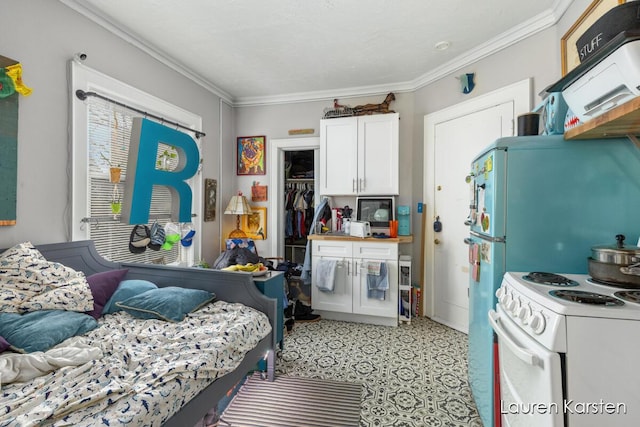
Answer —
530 377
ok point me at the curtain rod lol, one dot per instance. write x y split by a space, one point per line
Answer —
82 95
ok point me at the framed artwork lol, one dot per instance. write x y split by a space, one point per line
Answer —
258 192
570 57
255 224
210 193
251 155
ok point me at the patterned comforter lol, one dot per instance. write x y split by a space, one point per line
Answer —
148 370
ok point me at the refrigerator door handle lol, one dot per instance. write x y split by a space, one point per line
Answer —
488 238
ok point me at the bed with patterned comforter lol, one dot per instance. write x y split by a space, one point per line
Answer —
129 366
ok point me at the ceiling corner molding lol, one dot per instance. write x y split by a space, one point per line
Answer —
510 37
87 12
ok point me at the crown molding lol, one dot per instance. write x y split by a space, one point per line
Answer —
520 32
514 35
86 11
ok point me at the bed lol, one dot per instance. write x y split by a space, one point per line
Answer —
138 389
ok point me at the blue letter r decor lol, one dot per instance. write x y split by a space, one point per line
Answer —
142 174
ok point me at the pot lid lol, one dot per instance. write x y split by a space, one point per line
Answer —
618 248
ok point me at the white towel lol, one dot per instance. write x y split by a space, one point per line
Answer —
325 274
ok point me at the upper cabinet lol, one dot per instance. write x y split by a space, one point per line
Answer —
360 155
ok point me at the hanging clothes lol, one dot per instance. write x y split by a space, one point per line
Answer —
298 205
305 276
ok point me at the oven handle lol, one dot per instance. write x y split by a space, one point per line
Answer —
503 338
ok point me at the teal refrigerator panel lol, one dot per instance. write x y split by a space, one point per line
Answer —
491 258
563 197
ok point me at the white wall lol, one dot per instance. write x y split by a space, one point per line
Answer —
43 35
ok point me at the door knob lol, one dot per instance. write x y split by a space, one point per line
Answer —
436 241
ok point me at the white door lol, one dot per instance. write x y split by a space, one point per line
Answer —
454 136
457 142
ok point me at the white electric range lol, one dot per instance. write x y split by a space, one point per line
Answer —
569 349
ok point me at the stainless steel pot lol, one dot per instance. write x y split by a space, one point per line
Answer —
618 253
617 264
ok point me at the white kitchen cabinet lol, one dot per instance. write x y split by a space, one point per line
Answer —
360 155
350 297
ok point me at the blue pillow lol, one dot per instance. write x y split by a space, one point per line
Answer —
41 330
127 289
171 303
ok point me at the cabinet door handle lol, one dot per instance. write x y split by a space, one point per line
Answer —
362 183
353 185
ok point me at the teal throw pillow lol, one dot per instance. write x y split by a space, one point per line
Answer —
41 330
127 289
171 303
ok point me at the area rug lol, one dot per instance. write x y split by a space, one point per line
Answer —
294 401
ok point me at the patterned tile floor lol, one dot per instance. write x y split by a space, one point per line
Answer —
414 375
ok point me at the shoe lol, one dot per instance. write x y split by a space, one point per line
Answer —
304 313
301 309
289 324
307 317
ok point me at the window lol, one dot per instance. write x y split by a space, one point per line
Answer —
101 133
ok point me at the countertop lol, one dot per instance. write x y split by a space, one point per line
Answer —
347 238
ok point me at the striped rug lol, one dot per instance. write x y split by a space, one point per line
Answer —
294 402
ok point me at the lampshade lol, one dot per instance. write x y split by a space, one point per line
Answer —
238 205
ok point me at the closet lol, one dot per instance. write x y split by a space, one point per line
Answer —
298 202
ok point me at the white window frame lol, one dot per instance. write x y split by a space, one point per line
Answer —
89 80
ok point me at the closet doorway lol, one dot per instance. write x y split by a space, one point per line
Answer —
289 160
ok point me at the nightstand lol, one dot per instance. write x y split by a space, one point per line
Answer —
272 286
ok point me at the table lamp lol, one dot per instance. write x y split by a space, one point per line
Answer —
238 206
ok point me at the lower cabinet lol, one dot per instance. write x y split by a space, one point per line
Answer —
351 299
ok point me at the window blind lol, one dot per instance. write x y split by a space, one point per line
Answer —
109 132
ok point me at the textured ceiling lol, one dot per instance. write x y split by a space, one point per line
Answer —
259 49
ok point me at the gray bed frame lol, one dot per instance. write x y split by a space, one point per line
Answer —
228 286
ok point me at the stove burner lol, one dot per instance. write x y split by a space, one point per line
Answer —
629 296
550 279
613 284
583 297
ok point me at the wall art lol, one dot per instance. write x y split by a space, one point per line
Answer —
255 224
251 155
210 193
